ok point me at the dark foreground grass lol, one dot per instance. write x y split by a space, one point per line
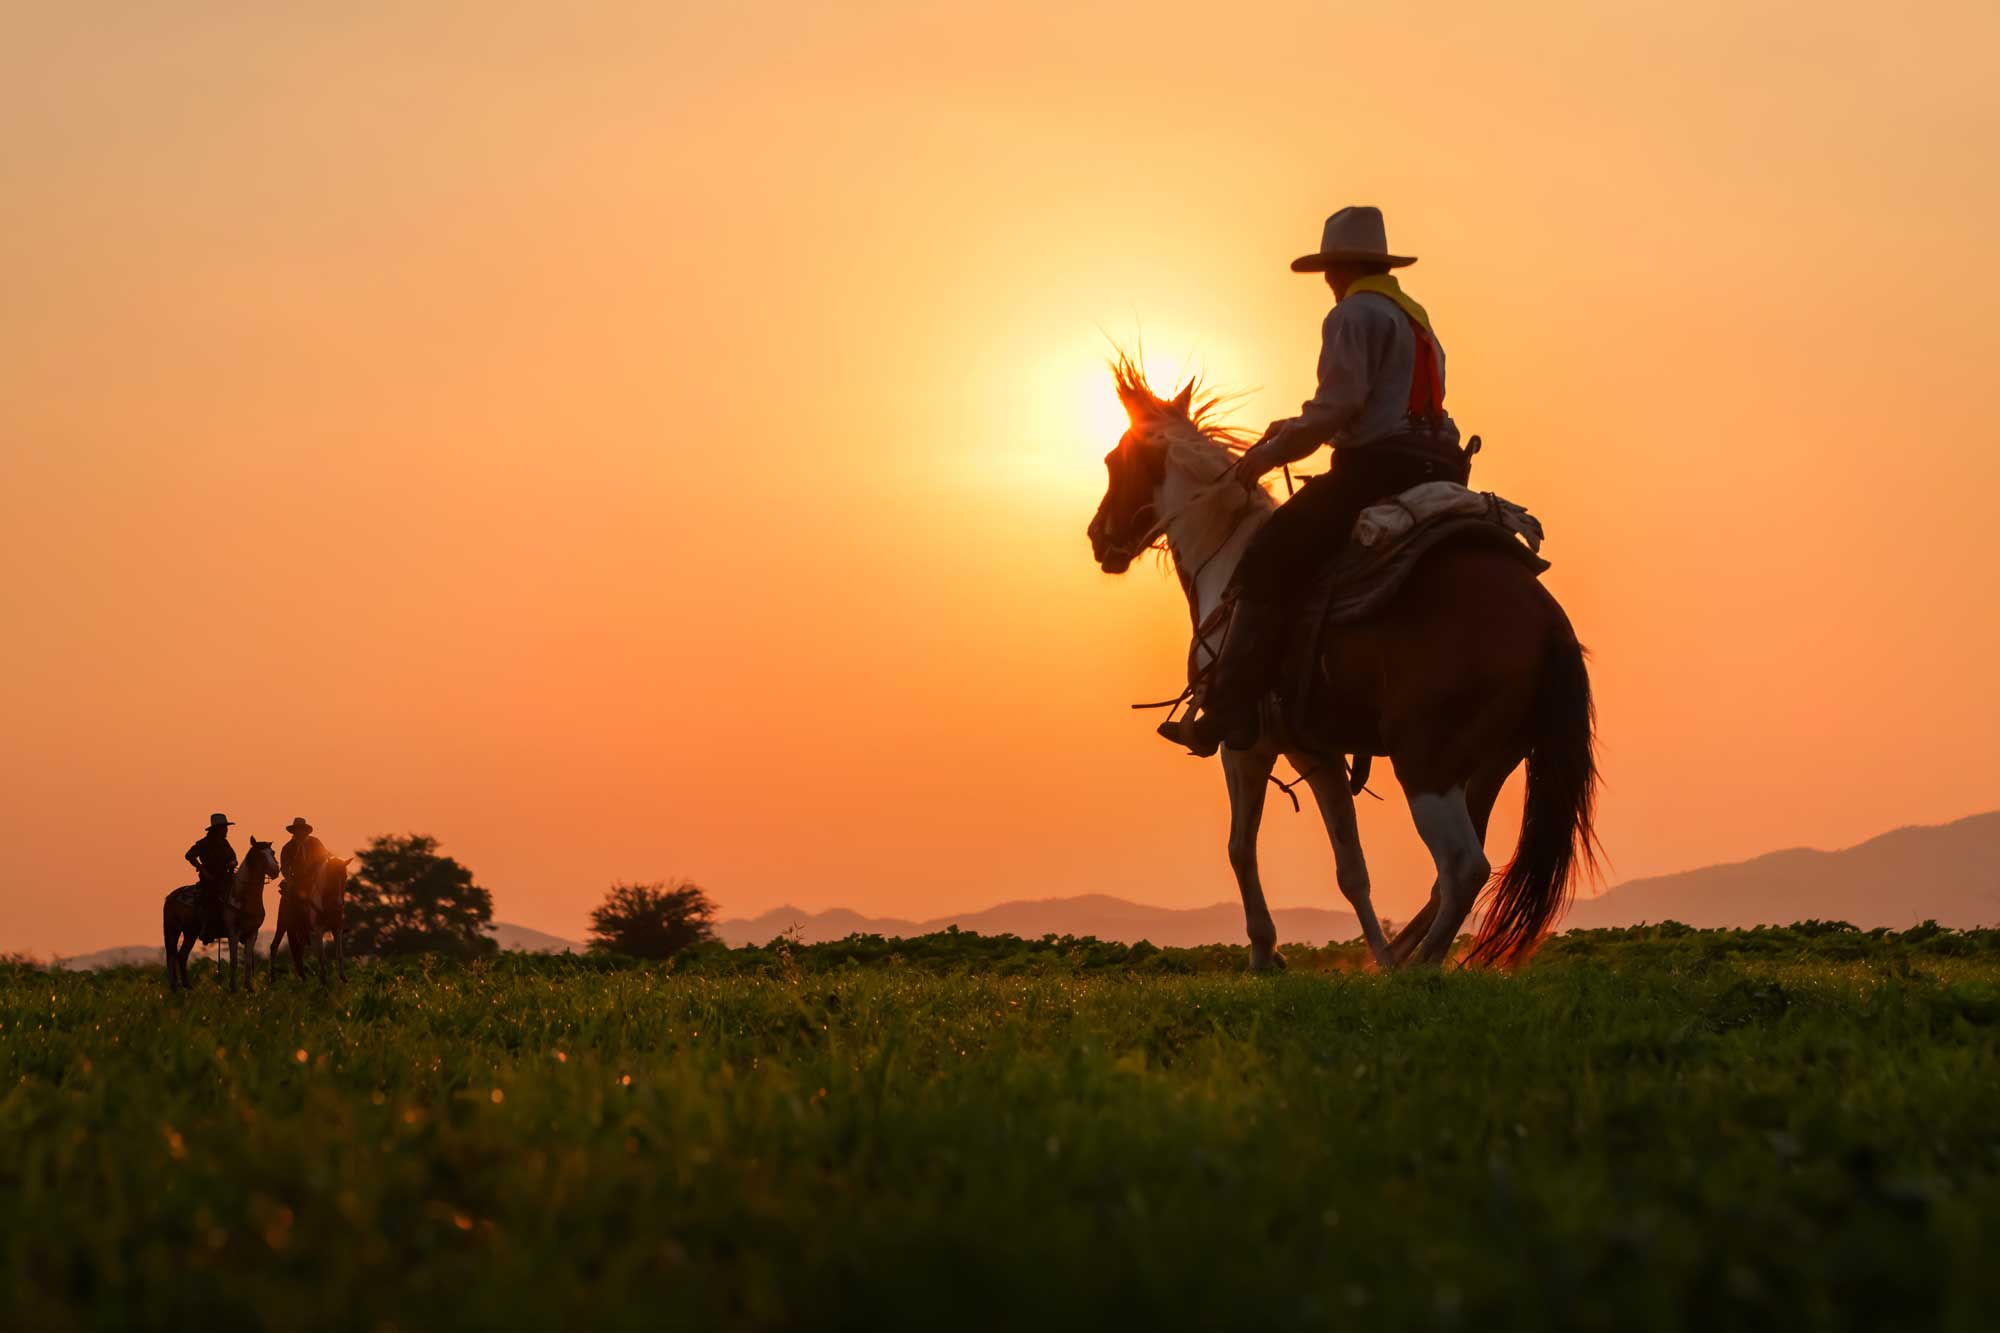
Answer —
1643 1130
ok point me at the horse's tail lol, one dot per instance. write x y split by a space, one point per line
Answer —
1557 840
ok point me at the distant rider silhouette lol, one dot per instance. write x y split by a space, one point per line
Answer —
214 861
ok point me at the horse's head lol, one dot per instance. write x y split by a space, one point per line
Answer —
260 862
1128 517
333 879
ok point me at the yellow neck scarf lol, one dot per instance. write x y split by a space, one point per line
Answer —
1385 284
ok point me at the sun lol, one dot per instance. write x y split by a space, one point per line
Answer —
1095 407
1070 416
1092 396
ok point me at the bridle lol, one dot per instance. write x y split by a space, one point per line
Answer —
1164 522
1190 572
244 884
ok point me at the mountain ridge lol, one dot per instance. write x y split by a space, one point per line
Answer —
1948 873
1098 914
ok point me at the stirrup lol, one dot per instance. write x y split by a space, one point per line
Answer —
1182 732
1205 734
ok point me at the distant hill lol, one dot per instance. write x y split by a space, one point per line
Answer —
124 955
1949 873
526 939
1091 914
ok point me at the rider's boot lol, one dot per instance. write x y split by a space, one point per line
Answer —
1232 702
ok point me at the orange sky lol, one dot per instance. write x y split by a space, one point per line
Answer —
629 441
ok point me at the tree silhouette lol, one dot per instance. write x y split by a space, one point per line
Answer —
651 920
403 897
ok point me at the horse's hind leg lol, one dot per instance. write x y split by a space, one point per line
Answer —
1480 794
1246 772
1447 829
1412 934
1336 809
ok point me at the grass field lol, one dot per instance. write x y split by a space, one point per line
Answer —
1647 1129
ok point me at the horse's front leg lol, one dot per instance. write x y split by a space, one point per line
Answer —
1328 780
232 959
1246 772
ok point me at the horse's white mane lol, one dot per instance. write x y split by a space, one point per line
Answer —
1198 452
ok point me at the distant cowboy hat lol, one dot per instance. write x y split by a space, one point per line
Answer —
217 821
1354 235
298 826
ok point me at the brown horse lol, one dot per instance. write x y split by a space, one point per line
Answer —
1471 670
312 914
242 917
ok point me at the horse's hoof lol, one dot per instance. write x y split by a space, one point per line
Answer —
1271 962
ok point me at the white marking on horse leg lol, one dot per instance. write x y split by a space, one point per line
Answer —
1446 826
1336 811
1247 772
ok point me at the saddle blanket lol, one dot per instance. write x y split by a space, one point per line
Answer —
1391 537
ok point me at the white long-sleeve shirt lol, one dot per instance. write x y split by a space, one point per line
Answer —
1367 357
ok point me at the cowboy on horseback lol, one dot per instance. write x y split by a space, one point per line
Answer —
301 860
214 861
1381 404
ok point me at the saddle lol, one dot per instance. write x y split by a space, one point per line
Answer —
204 906
1390 539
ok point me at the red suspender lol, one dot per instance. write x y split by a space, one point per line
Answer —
1426 385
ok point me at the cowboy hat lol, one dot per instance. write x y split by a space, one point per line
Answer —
217 821
298 826
1354 235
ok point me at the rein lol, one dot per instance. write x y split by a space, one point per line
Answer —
1189 578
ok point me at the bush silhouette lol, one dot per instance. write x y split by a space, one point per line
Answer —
651 920
402 898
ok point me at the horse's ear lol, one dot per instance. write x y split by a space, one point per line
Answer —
1184 398
1139 405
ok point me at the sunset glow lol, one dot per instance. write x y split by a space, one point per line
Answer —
626 446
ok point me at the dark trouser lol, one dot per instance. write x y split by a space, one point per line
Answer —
1310 528
209 896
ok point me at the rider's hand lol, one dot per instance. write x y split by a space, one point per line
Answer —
1248 470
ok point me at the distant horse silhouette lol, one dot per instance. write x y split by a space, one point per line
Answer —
1470 670
242 917
312 914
